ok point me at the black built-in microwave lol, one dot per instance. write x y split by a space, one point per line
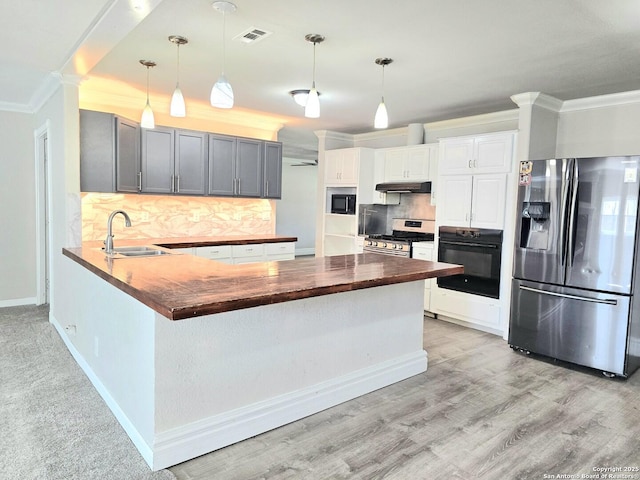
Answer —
343 203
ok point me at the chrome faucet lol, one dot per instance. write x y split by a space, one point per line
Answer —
108 242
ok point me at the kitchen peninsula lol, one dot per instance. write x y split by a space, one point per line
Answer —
192 355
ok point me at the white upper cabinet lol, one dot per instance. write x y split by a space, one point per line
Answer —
408 163
342 166
490 153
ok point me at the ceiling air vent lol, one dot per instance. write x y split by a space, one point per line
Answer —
252 35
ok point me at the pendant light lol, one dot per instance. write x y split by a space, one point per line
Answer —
147 120
222 93
177 99
382 119
312 108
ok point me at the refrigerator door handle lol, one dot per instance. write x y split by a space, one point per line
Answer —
564 209
573 212
606 301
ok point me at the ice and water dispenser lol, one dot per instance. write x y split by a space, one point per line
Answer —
535 225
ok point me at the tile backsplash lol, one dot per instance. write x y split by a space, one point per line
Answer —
154 216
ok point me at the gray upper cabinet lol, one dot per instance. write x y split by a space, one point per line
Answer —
235 166
127 156
272 170
116 155
222 156
157 163
109 153
249 165
173 161
190 162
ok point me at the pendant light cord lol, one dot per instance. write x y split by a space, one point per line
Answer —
224 41
178 62
314 65
147 84
383 82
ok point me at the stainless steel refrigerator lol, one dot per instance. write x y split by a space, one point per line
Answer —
575 278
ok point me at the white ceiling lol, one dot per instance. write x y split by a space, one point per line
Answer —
451 58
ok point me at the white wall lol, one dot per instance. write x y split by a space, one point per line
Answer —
17 210
599 130
295 212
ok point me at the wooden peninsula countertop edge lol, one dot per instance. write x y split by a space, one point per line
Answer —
182 286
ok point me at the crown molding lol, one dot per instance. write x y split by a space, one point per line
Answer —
483 119
15 107
538 99
331 135
600 101
378 134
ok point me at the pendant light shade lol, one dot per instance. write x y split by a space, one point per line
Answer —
312 108
222 93
178 108
147 120
381 119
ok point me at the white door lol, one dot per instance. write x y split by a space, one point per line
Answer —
43 216
394 166
454 200
416 163
493 153
456 156
349 169
488 201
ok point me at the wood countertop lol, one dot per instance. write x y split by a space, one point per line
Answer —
203 241
181 286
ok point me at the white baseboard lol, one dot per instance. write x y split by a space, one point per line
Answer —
475 326
134 435
300 252
183 443
18 302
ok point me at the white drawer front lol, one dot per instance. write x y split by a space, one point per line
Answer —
422 254
284 248
243 251
214 252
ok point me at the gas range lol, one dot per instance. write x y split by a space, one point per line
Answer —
405 232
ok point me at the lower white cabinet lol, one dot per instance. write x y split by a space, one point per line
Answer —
482 312
248 253
425 251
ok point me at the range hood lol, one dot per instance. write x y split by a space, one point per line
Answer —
404 187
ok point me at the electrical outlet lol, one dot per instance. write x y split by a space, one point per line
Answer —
195 216
145 216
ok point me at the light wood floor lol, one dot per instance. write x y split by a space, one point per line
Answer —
480 411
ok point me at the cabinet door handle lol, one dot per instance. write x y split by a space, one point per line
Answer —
177 183
173 184
266 188
470 163
475 163
139 181
238 185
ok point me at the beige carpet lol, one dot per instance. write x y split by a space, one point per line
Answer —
53 424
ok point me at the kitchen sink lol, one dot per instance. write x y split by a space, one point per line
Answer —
140 251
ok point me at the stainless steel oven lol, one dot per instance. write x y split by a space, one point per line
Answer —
479 251
405 232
